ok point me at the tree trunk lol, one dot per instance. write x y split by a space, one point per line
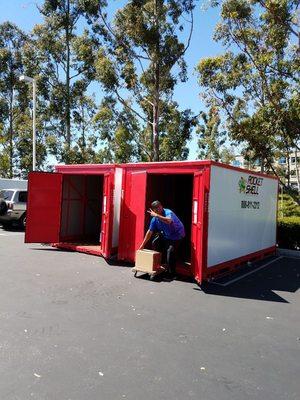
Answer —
68 113
262 165
156 90
83 134
298 34
155 133
10 140
11 107
287 188
297 169
151 156
288 167
11 152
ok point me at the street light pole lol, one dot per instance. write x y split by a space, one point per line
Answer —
33 81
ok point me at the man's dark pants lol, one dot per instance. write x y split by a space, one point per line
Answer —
168 248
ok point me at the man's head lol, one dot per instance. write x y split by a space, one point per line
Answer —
157 207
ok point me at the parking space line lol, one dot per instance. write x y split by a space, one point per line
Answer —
11 234
248 273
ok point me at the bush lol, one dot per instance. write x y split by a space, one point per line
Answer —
287 207
288 234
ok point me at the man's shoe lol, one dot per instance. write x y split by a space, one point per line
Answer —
171 275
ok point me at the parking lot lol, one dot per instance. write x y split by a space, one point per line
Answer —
73 327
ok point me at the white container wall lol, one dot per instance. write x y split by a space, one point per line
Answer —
242 214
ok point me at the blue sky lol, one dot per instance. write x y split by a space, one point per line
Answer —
25 14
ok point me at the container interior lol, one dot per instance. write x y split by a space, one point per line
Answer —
174 191
81 214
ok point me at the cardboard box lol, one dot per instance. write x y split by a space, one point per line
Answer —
147 260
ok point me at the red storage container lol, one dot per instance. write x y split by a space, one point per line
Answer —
77 208
229 213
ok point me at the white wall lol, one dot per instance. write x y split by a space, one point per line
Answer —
234 231
117 206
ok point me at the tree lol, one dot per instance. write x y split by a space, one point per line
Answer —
256 81
23 144
175 128
227 155
83 118
143 60
12 96
16 124
211 139
68 64
119 133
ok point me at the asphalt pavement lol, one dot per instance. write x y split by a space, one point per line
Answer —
73 327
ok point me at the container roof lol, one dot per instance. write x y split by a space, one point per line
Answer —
83 168
94 168
192 164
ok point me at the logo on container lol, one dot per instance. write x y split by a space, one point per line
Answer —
250 186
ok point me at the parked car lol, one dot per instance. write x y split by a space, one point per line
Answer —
13 184
13 207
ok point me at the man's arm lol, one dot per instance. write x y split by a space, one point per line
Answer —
146 239
166 220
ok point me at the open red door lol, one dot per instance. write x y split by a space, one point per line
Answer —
133 216
43 207
107 215
197 225
138 207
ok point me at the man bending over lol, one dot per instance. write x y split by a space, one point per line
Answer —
168 231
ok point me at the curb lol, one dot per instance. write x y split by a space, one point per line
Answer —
288 253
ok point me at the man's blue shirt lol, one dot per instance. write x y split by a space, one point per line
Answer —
172 231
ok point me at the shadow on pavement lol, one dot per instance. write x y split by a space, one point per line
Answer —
51 249
12 228
118 263
283 276
164 278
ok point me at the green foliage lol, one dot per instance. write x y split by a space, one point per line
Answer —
141 63
288 233
85 140
138 57
67 59
287 207
14 100
4 165
123 144
227 155
256 81
105 71
211 139
23 144
119 132
85 137
175 128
